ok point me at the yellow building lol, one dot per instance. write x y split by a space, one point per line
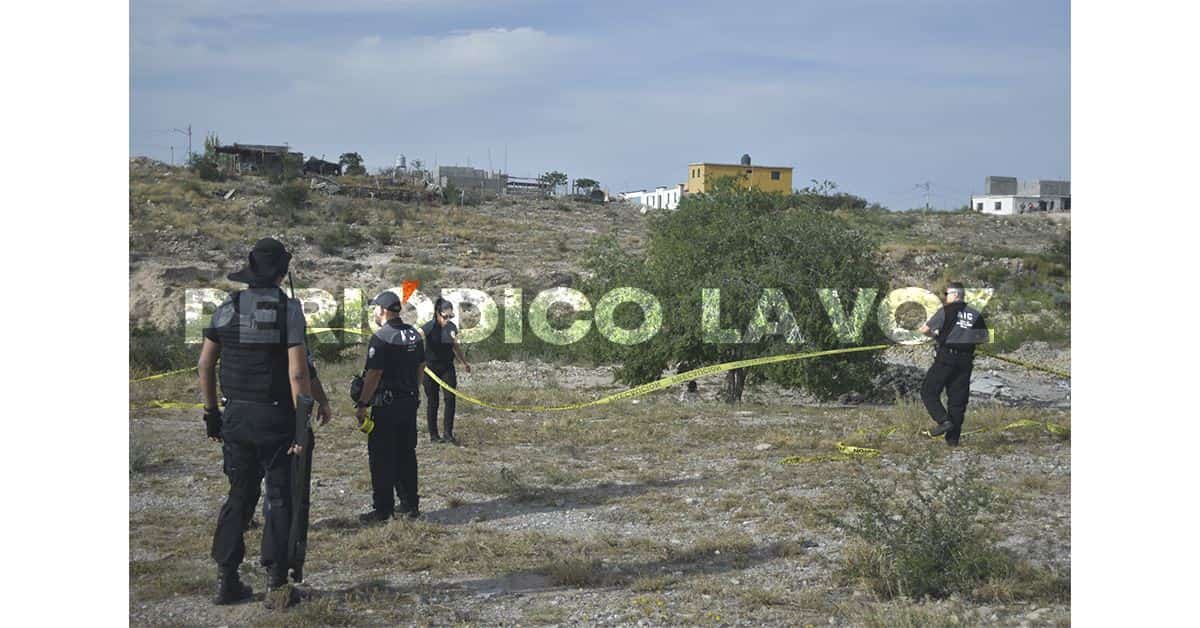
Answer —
702 176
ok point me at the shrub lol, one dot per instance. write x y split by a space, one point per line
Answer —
154 350
336 239
290 196
383 234
139 454
206 167
925 537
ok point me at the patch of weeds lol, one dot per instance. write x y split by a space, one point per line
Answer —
546 615
648 605
507 482
385 235
758 597
154 350
1036 483
288 198
162 579
411 272
1026 582
576 572
139 454
644 584
489 245
903 614
923 536
336 239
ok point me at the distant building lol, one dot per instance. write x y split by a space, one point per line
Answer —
702 176
1007 196
661 197
260 158
473 180
322 167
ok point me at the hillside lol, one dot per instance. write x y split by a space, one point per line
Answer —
184 232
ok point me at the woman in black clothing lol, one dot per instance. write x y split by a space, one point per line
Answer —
441 347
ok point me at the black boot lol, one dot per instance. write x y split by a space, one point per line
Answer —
280 593
942 428
373 516
230 588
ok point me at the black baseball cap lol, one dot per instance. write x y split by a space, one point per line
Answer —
388 301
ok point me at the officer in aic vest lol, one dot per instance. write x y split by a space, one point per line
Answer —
391 381
956 329
258 336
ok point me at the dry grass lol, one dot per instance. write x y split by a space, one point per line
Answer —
616 509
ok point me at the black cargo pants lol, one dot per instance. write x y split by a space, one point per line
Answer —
448 375
951 373
392 452
255 443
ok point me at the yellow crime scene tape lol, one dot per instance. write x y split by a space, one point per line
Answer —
666 382
1035 367
845 452
162 375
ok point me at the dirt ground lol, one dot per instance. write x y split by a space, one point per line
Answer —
654 511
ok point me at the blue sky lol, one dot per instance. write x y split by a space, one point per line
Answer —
875 96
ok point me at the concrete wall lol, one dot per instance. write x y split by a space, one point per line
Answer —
1000 185
1043 187
1010 205
661 197
472 180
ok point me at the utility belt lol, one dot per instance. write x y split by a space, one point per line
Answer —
389 396
286 405
944 350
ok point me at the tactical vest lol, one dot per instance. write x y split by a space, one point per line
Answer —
962 328
253 334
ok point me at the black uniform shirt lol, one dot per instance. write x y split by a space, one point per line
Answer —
440 339
964 332
397 350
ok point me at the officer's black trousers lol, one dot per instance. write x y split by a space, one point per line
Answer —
254 446
952 374
449 376
392 450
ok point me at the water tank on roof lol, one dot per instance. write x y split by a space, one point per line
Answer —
746 159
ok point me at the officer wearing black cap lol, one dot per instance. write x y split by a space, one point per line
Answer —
392 379
258 336
956 328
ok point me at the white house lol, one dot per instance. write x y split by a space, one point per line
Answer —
1004 195
661 197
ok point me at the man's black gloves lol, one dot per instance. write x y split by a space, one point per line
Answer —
212 421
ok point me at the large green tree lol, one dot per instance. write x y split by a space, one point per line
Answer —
768 255
352 164
553 179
